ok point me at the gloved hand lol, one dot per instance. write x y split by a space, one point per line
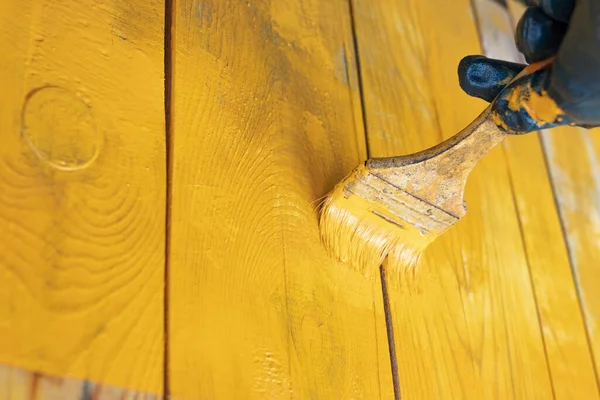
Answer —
567 92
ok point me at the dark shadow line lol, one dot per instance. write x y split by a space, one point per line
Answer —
527 258
359 76
168 93
389 327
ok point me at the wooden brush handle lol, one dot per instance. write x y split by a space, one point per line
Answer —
438 175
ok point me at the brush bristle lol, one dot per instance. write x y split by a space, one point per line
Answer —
366 221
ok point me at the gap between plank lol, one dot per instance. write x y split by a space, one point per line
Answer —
359 76
168 92
386 301
531 284
389 327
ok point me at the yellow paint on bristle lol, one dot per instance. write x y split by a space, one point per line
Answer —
364 232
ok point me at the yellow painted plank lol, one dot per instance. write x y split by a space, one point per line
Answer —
465 321
19 384
566 344
265 122
82 189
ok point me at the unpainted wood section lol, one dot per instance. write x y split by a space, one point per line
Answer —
572 159
566 344
82 189
573 156
19 384
465 319
266 119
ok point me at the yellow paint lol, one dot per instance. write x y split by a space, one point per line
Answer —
466 323
359 228
266 119
264 125
541 107
82 189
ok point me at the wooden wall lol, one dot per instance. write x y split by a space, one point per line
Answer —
160 173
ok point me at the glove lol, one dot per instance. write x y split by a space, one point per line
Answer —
566 92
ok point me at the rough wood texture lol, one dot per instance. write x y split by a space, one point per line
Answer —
465 322
569 358
82 189
18 384
264 124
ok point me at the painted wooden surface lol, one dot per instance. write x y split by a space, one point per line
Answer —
82 189
266 119
567 349
19 384
266 116
466 323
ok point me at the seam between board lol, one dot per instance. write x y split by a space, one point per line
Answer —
390 333
169 24
528 262
386 302
361 92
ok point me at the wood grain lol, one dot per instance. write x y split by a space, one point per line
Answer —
19 384
82 189
570 362
265 122
465 322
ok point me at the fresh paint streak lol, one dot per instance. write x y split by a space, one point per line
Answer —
82 189
264 124
569 360
465 321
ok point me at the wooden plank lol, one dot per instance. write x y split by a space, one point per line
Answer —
465 322
19 384
82 189
566 344
265 122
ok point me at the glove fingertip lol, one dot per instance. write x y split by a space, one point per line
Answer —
485 78
538 36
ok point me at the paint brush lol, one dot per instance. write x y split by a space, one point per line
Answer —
393 208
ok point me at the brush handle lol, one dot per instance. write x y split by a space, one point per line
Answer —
438 175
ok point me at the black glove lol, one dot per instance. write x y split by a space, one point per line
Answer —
568 91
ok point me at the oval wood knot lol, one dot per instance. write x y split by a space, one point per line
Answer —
59 128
